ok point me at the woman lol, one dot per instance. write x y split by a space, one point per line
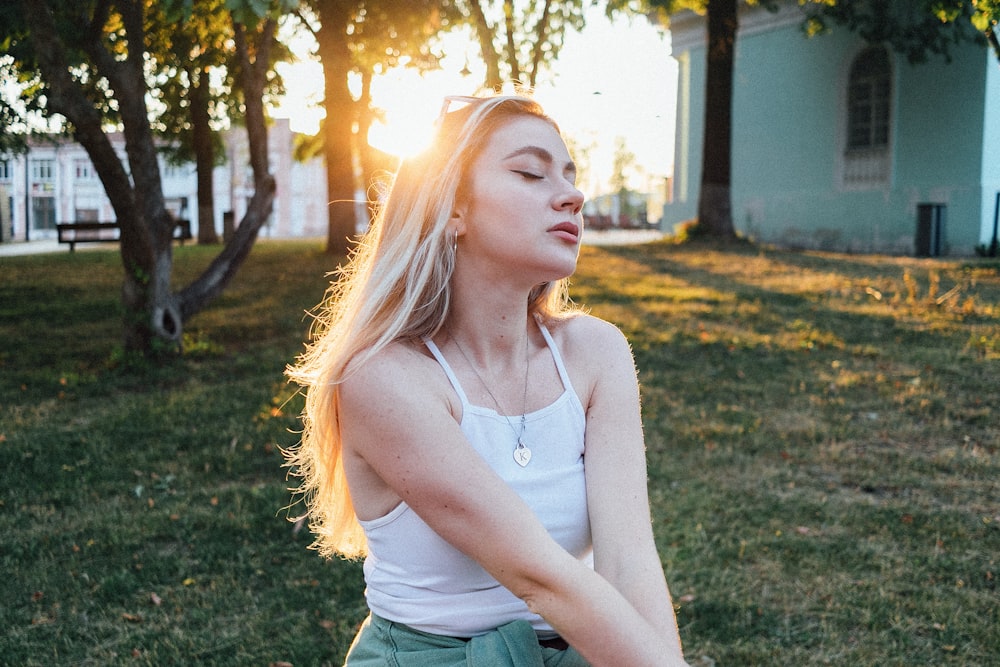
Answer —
452 393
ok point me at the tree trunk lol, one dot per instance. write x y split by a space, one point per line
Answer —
484 33
136 195
338 126
512 55
541 36
715 216
204 152
366 157
153 317
254 63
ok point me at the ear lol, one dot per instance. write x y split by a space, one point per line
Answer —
457 220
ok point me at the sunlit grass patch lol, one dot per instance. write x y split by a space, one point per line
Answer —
822 437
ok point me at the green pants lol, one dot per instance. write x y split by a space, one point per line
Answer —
382 643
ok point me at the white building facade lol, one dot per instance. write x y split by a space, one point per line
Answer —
55 182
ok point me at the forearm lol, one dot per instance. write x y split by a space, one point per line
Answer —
641 581
602 625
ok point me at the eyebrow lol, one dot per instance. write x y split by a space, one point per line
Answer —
542 154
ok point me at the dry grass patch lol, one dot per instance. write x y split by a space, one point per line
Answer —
822 433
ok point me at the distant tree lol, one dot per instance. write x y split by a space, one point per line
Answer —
582 150
517 40
87 62
623 163
196 47
624 166
194 82
364 37
389 38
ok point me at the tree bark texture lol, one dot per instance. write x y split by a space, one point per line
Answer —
484 33
154 315
204 152
335 16
715 216
254 61
541 36
509 43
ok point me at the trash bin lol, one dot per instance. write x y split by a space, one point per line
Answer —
228 225
930 238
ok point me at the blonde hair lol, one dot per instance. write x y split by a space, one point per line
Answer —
396 286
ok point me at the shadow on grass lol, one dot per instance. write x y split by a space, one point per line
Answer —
822 440
822 446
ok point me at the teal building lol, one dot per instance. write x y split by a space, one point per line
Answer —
841 145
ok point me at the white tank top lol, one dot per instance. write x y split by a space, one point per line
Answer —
415 577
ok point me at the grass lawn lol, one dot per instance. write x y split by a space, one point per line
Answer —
824 455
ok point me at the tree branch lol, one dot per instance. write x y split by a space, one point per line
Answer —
515 65
252 76
66 98
484 33
541 30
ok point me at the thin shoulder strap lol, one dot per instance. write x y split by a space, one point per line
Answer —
556 357
447 371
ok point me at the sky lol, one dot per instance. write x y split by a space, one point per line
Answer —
612 80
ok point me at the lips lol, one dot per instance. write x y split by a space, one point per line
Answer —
568 230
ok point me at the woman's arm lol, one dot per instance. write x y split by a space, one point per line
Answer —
397 421
617 497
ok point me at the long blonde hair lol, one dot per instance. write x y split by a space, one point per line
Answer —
396 286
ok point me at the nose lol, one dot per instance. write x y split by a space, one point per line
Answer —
570 199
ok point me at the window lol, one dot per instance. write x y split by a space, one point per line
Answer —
84 170
867 157
42 170
6 171
868 101
43 213
86 215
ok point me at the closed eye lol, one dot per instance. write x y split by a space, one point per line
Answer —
528 174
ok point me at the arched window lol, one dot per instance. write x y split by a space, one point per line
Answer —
868 95
867 142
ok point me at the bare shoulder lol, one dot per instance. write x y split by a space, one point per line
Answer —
401 371
596 354
590 340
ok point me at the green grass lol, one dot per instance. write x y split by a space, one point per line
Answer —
823 439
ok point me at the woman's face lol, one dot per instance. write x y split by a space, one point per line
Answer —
519 213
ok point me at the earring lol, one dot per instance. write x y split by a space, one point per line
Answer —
454 244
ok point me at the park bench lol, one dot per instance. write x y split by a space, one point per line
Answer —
107 232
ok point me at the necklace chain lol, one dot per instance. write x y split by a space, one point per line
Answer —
521 453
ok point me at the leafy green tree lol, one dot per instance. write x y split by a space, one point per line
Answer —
197 46
915 28
195 84
385 39
87 63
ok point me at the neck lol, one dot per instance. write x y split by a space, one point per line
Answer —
490 324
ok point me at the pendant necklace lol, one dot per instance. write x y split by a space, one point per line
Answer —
522 455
